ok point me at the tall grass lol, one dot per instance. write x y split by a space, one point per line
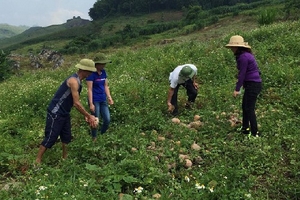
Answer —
267 16
142 145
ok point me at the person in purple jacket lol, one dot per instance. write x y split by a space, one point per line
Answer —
99 94
248 78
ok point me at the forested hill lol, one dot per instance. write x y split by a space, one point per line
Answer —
116 22
105 8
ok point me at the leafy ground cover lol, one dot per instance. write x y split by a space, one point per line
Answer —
144 154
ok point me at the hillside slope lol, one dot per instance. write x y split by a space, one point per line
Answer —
30 35
143 149
117 29
8 31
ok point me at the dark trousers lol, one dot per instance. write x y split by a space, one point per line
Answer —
191 92
251 92
57 125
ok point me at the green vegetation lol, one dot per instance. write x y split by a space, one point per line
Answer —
143 148
103 9
119 29
7 31
5 66
232 166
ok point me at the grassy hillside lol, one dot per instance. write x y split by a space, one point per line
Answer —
143 148
35 35
7 31
126 30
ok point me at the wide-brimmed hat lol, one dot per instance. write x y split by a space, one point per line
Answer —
237 41
101 58
86 64
186 71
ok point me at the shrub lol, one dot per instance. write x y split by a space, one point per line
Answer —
5 66
267 16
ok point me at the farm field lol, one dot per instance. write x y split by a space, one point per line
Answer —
143 155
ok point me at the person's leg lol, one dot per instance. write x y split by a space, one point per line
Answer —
252 91
245 121
191 92
52 130
64 151
96 114
66 135
174 100
105 115
40 154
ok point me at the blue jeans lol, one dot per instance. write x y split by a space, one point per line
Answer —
101 110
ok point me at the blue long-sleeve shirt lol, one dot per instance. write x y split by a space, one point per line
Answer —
248 69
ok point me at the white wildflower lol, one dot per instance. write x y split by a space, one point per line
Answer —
138 190
199 187
248 195
186 178
42 188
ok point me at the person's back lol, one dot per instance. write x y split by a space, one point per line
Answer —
182 75
252 71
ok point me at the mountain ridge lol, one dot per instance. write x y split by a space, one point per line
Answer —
39 31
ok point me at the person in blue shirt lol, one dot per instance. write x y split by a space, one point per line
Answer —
58 122
248 78
99 94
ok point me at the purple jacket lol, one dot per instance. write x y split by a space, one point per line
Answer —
248 69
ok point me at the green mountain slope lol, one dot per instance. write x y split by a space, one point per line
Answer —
7 31
34 34
143 149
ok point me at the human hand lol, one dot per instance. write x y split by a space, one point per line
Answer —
170 107
110 101
236 93
196 86
93 121
92 108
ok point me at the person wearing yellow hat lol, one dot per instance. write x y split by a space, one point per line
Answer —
58 121
182 75
248 78
99 94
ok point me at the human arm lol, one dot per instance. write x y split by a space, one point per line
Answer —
90 95
107 92
195 83
242 64
74 86
170 94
